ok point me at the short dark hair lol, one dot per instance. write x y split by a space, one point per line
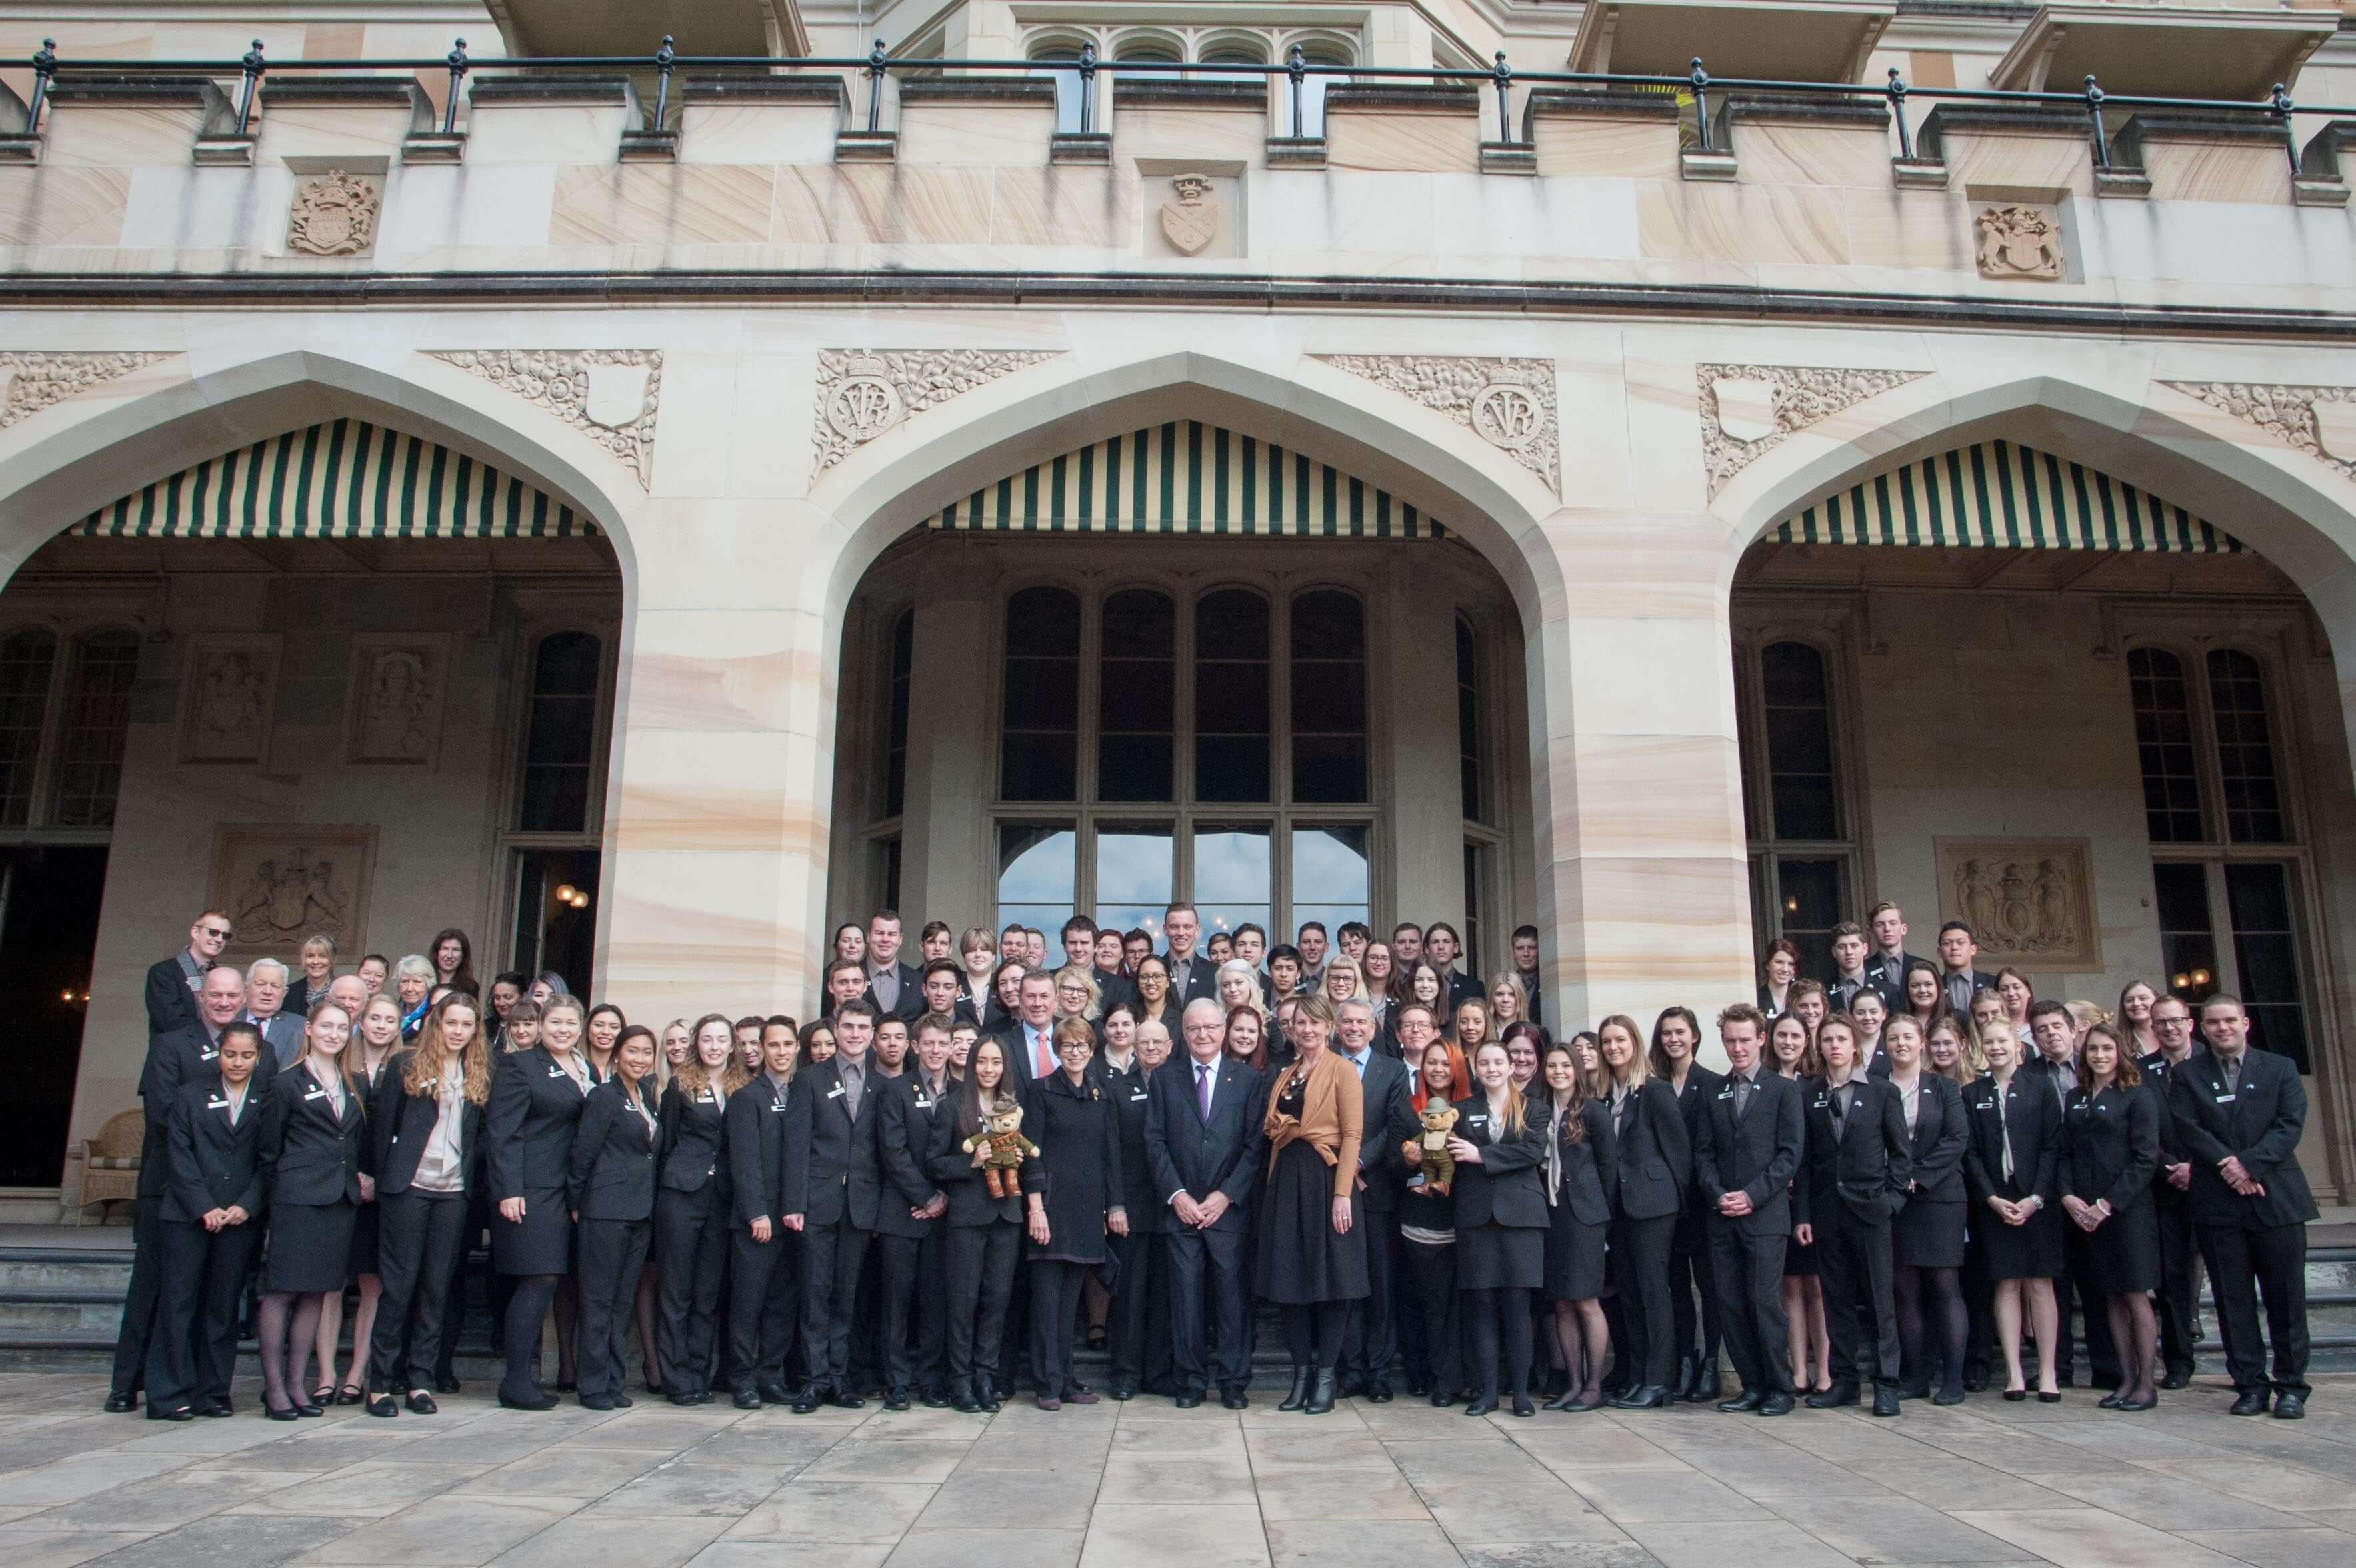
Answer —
858 1005
1284 951
749 1021
940 1023
2221 999
1080 923
1406 926
1349 927
252 1031
2040 1009
1845 929
839 965
1521 931
773 1021
1958 925
1254 927
509 977
1137 934
934 928
1317 926
1438 925
941 966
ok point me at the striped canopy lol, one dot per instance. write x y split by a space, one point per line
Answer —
1186 477
342 479
2003 494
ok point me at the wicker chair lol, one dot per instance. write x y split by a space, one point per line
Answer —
110 1164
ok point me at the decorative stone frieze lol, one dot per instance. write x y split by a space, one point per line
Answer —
36 380
864 392
334 214
608 394
2318 421
1509 403
1748 410
2017 239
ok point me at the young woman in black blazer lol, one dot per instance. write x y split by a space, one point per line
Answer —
2012 1168
1582 1172
428 1124
528 1129
1500 1148
314 1160
1654 1145
983 1231
212 1218
1070 1115
2112 1131
1427 1226
1693 1283
692 1209
611 1196
375 1041
1926 1239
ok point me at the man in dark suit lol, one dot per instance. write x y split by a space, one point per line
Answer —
908 1223
172 982
1137 1321
2054 1065
1957 979
1746 1151
1369 1341
1190 974
1859 1164
1080 936
838 1101
943 989
2171 1193
1029 1037
1849 978
2239 1112
1887 966
894 989
1441 945
768 1156
1202 1143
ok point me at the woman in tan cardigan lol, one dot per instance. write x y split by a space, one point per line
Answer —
1313 1253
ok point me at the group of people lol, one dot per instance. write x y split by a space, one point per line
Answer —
966 1165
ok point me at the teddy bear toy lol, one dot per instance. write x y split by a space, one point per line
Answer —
1002 1131
1439 1165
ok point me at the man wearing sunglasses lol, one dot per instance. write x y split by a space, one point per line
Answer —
172 982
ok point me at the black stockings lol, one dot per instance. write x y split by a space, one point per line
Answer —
276 1333
2135 1331
1954 1325
1313 1333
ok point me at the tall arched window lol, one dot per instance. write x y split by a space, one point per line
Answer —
1138 719
561 734
1468 719
1039 745
896 736
1233 713
1798 707
1329 698
2163 721
2245 754
29 661
98 719
1803 847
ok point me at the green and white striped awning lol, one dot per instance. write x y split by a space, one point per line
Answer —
1188 478
342 479
2008 496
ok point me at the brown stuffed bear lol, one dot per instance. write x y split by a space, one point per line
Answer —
1439 1165
1008 1149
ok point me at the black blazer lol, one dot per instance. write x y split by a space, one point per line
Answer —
1507 1187
1014 1040
613 1165
911 995
171 1005
528 1124
1132 1100
842 1177
768 1153
1865 1166
1198 976
1890 974
1112 988
1079 1135
2155 1069
2035 1122
404 1123
2259 1124
952 1166
1389 1121
1591 1165
208 1164
1941 1136
1700 1084
2113 1138
905 1131
175 1059
312 1154
1654 1153
692 1146
1187 1153
1756 1156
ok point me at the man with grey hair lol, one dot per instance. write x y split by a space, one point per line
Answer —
1389 1120
265 992
1202 1144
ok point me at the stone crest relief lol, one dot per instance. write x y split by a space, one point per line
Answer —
1747 411
394 712
2028 901
864 394
280 883
36 380
2017 239
229 693
610 395
2318 421
1191 221
1509 403
335 214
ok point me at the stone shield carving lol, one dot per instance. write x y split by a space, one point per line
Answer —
35 382
394 712
1191 221
1509 403
1775 401
864 392
280 883
334 214
2319 421
2018 241
2029 901
229 693
610 395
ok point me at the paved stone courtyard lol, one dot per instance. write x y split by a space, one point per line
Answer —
1398 1485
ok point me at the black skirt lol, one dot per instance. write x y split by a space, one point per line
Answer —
310 1247
1928 1235
2030 1251
1574 1257
1799 1258
542 1244
1300 1260
2123 1253
1500 1257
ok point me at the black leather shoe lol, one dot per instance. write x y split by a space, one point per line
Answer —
178 1412
1523 1407
2046 1397
1122 1392
2252 1402
1840 1394
1480 1406
598 1401
122 1404
746 1398
1885 1401
684 1398
384 1405
2290 1407
276 1414
961 1396
1378 1391
987 1394
2014 1396
932 1397
1705 1388
419 1402
1574 1405
2133 1405
2177 1380
895 1399
1776 1403
1233 1398
1299 1395
1645 1396
216 1409
1744 1403
538 1402
444 1384
1321 1394
808 1400
2108 1401
776 1394
310 1410
1442 1398
1187 1398
1948 1395
1688 1374
1419 1387
841 1398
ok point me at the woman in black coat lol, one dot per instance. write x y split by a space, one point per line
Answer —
1071 1118
1654 1148
211 1220
1693 1282
528 1129
1500 1148
611 1196
1427 1221
1582 1173
1926 1239
692 1209
2012 1168
428 1124
314 1160
983 1230
2112 1131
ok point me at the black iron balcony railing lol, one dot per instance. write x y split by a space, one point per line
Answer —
879 65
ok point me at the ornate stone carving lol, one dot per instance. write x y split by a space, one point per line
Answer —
1773 401
2028 901
2318 421
334 214
228 695
280 883
2018 241
1509 403
35 382
608 394
394 711
862 393
1192 221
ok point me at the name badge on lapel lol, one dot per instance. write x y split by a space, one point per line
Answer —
1136 1096
2227 1099
924 1101
209 1053
1823 1102
1727 1093
776 1107
431 1084
316 1095
555 1072
837 1093
216 1103
705 1099
1476 1121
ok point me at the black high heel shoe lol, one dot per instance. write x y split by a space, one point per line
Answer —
1299 1396
349 1394
274 1413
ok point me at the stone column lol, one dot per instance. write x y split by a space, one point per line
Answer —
948 864
1425 793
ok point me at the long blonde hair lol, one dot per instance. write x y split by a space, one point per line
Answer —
1516 1112
690 1076
426 1061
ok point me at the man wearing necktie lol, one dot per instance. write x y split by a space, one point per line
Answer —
1202 1143
844 1187
1028 1038
1368 1341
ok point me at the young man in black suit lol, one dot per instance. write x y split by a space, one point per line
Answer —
894 989
908 1223
173 983
1369 1341
1029 1036
2171 1192
768 1161
1079 939
838 1102
1887 965
1859 1163
2240 1112
1746 1151
1190 974
1201 1142
1957 979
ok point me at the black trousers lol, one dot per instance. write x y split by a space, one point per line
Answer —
832 1256
2180 1309
1749 1273
2078 1285
915 1328
1370 1343
1693 1283
1431 1276
1210 1292
1055 1300
2242 1263
418 1234
612 1254
192 1351
981 1265
1137 1328
1979 1300
1860 1310
763 1293
691 1266
140 1304
1639 1254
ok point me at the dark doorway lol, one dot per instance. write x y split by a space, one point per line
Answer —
556 914
50 897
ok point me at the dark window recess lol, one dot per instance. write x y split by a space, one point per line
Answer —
2245 754
98 717
49 896
1475 863
1137 716
896 736
553 932
2163 721
1039 750
891 851
1468 719
2188 931
27 662
1232 680
1798 712
1815 899
2266 951
561 736
1329 698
